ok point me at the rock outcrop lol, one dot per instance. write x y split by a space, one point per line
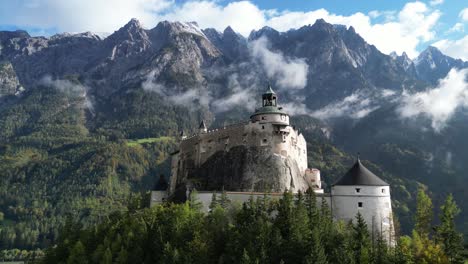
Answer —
9 83
248 169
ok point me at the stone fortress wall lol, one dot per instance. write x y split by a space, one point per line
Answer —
271 131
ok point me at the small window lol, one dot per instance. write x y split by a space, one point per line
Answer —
359 204
264 140
358 190
263 127
383 190
263 118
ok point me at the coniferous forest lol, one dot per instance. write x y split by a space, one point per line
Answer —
289 230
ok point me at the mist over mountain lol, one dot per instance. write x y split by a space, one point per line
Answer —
70 103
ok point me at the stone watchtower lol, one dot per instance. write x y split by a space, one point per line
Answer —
270 112
360 190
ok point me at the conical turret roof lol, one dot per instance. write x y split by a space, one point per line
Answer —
360 175
202 125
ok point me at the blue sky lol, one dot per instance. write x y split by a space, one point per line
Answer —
391 25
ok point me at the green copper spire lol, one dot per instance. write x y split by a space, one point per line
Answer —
270 91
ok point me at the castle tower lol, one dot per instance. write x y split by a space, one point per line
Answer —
202 129
270 112
360 190
182 135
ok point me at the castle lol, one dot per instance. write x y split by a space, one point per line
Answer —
266 156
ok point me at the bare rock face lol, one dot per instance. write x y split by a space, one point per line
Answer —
9 84
248 169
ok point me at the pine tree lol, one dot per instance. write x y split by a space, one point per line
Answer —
361 241
403 251
424 213
107 257
311 205
224 200
122 258
245 258
77 254
194 202
447 235
214 201
317 253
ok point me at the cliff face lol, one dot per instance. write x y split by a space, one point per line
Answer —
9 83
248 169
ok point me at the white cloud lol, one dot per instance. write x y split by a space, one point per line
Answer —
436 2
402 31
242 16
241 96
287 72
69 88
195 96
355 106
464 14
454 48
80 15
458 27
440 103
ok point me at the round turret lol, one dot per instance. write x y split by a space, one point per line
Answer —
270 112
360 190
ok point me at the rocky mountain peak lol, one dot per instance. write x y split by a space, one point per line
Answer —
323 25
266 31
229 30
428 55
132 31
5 35
133 24
432 64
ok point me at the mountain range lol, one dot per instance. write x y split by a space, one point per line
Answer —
72 107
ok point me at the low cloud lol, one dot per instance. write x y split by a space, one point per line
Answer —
440 103
241 96
70 89
242 93
194 96
289 73
355 106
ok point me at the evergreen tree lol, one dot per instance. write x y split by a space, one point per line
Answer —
224 200
194 202
245 258
122 258
361 241
77 254
107 257
317 252
214 201
311 206
381 252
446 233
424 213
403 251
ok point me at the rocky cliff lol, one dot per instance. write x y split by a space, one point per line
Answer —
248 169
9 83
